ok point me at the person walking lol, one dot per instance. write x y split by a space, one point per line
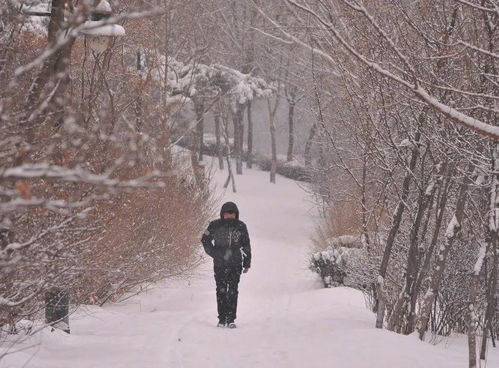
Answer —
227 241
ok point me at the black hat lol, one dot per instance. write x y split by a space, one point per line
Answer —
229 207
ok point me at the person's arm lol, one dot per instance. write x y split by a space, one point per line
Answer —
246 248
207 240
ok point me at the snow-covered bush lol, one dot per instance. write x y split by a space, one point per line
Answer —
342 265
329 265
93 203
290 169
209 146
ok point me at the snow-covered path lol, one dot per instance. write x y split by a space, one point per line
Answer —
284 318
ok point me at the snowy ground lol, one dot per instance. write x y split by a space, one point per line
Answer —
284 318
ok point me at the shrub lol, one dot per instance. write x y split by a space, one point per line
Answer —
328 265
339 265
290 169
125 240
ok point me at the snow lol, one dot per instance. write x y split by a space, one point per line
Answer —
430 188
201 78
479 261
104 7
452 227
406 143
347 241
285 319
100 28
450 112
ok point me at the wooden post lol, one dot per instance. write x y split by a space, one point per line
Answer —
57 309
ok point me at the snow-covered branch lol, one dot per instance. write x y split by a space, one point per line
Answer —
78 175
485 52
450 112
478 7
6 251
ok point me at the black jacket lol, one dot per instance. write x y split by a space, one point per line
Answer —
227 240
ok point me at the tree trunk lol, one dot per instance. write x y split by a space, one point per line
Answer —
219 147
443 195
403 310
363 202
241 140
272 113
138 97
400 309
472 315
230 176
200 131
434 284
238 144
308 146
492 248
249 159
491 302
273 165
291 137
397 219
197 168
53 74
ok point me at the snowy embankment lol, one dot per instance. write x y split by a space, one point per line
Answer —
285 318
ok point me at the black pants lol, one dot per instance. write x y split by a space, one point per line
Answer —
227 279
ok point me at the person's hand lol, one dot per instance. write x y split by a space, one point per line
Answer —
245 270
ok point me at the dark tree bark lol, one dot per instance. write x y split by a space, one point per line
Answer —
291 125
53 74
492 238
491 301
272 110
194 146
200 130
230 176
397 219
238 144
441 260
138 97
249 159
273 165
308 145
403 303
363 200
219 146
441 203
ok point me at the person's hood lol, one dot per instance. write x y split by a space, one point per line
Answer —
229 206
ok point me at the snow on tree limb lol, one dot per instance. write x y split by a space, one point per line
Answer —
481 256
476 6
196 78
486 52
6 251
450 112
47 171
64 38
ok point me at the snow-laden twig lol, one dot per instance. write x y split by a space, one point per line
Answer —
47 171
18 204
486 52
5 302
479 261
64 38
476 6
15 246
451 113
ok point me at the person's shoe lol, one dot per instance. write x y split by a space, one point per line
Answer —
220 324
231 325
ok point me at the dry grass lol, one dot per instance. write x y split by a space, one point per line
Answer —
344 218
